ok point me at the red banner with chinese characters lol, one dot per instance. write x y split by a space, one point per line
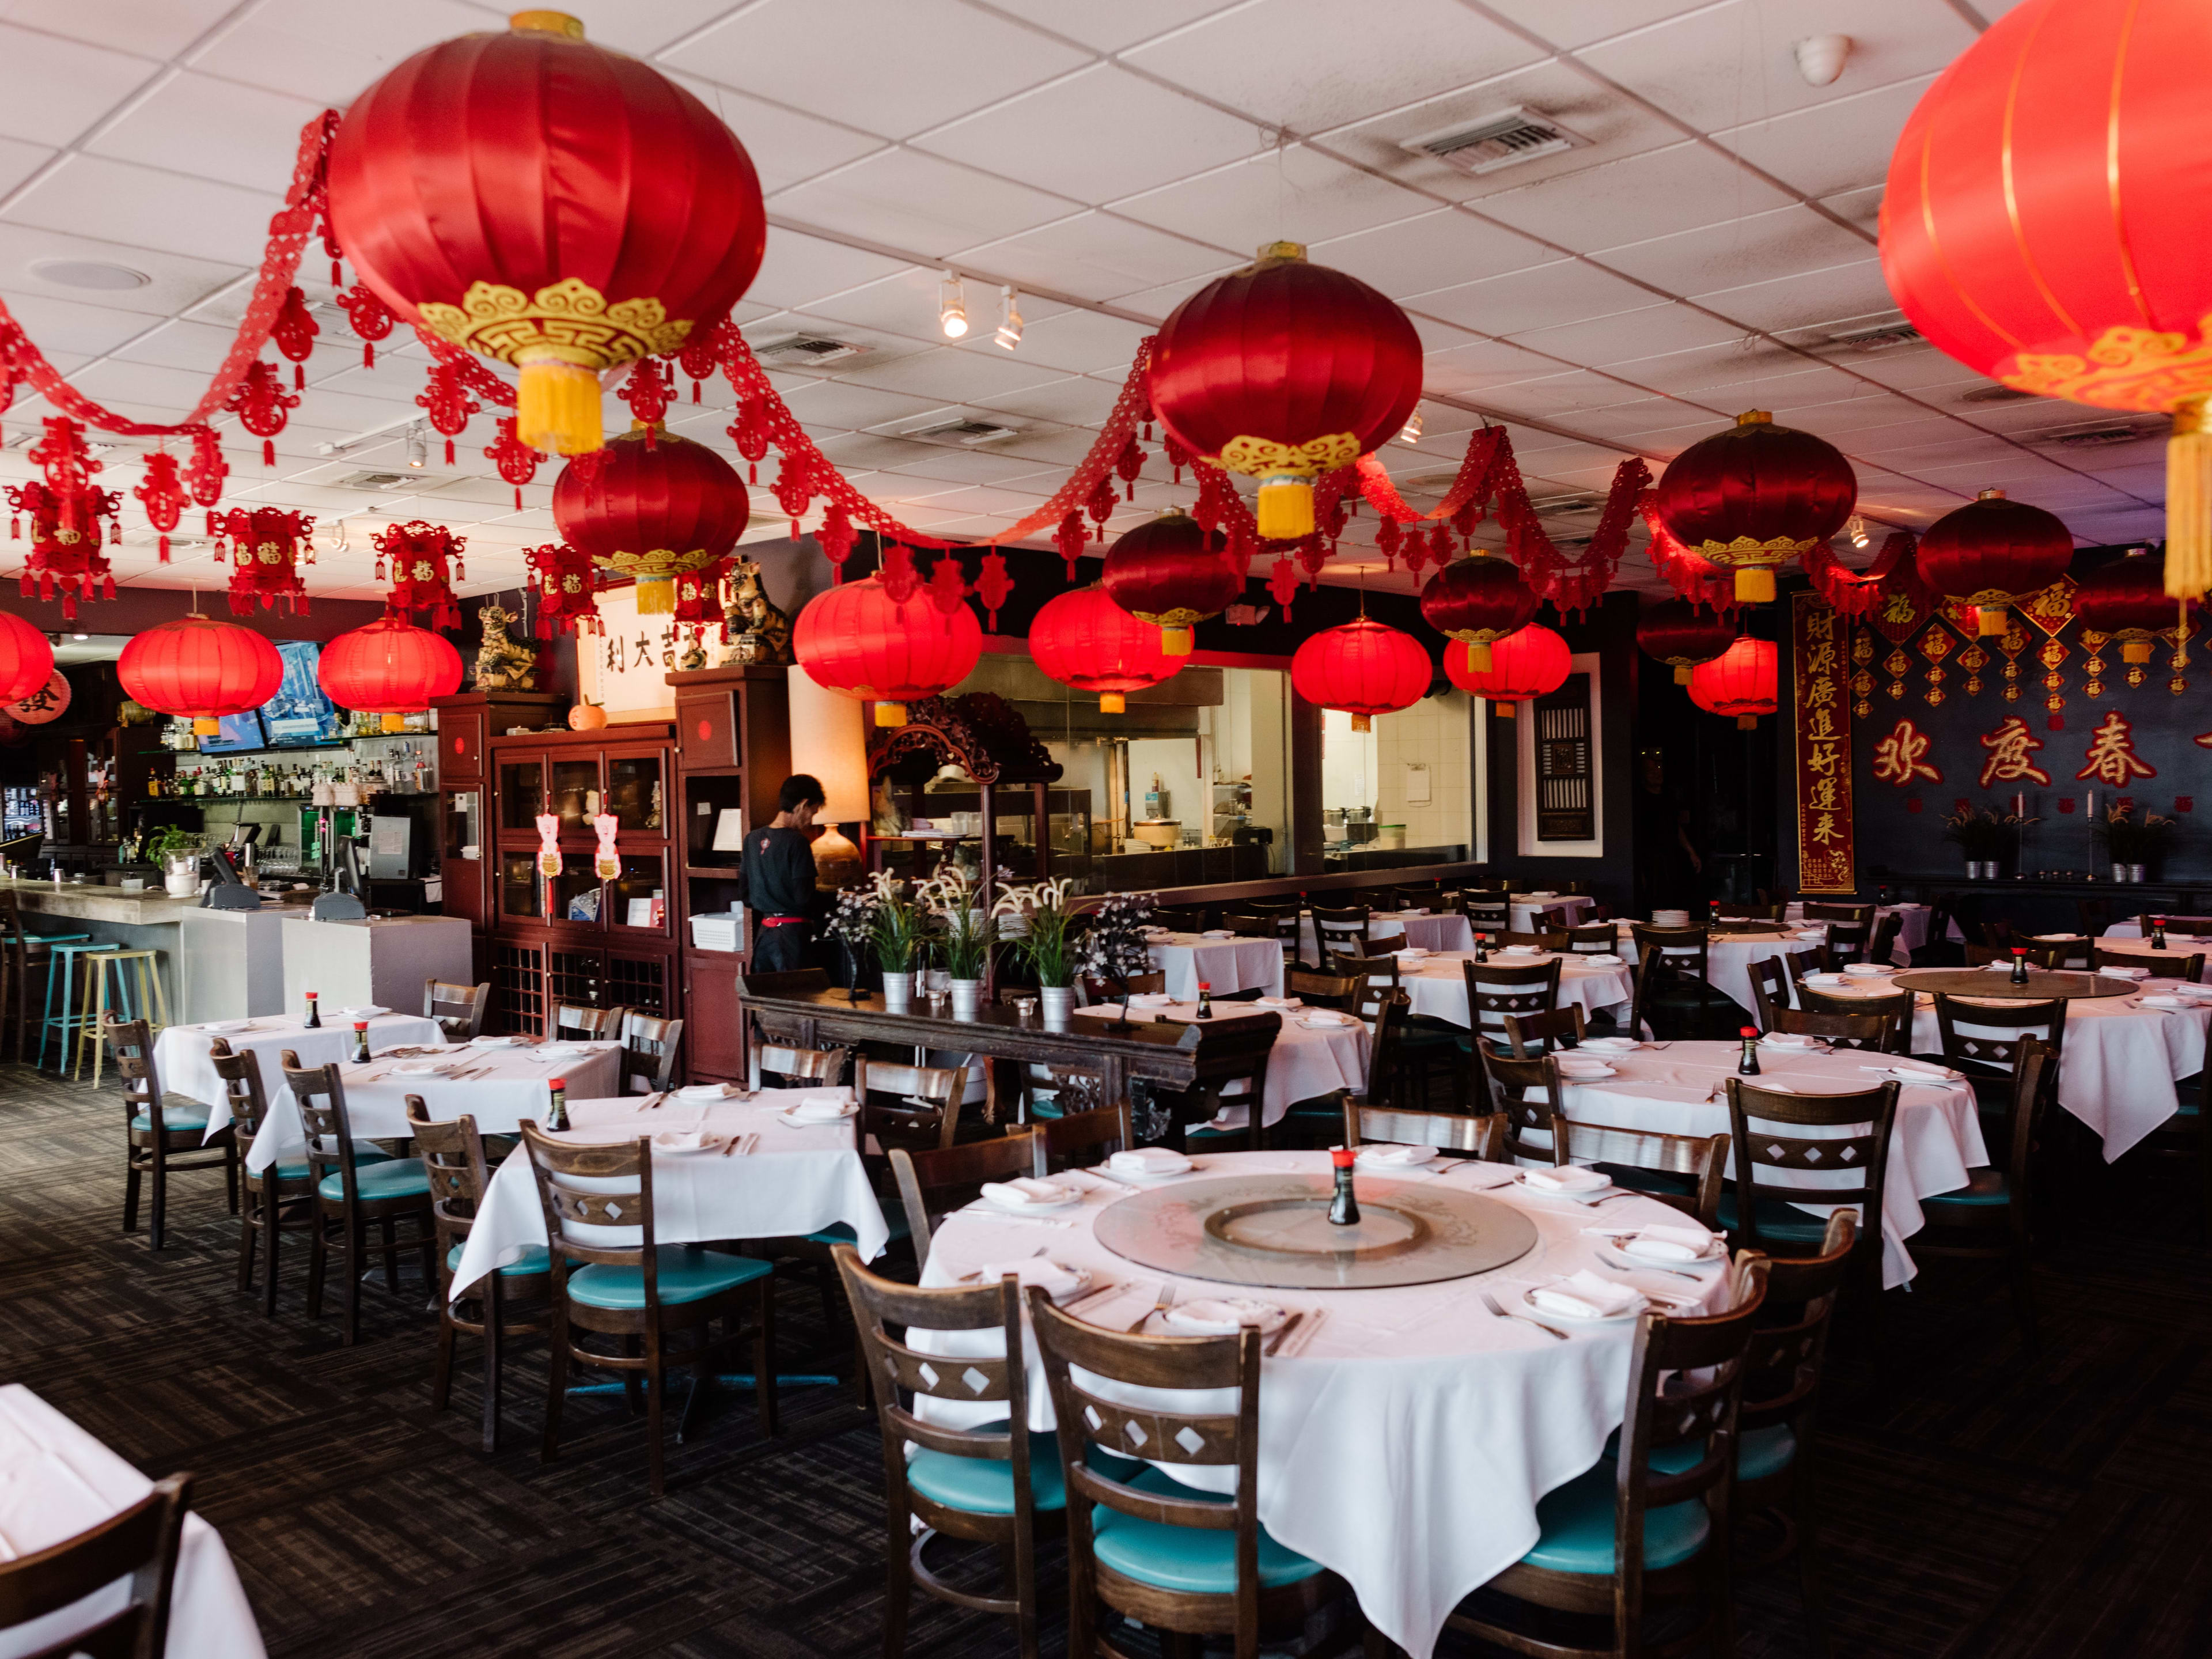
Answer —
1819 648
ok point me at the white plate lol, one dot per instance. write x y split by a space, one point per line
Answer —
567 1051
685 1141
1863 970
2161 1000
420 1067
1325 1020
800 1117
494 1042
1593 1073
1277 1002
1627 1247
368 1011
1184 1167
1382 1166
1075 1196
1217 933
1589 1196
1549 1315
1268 1317
1791 1040
1613 1045
1152 999
1820 934
227 1025
1413 953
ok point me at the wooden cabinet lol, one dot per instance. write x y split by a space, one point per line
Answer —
469 867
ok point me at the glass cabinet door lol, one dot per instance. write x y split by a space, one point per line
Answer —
521 790
638 896
577 897
633 793
521 891
576 791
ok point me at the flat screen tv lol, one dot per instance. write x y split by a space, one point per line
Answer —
300 714
236 732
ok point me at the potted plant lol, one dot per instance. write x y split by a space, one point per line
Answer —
1980 836
1039 919
178 853
2131 843
898 929
1113 948
963 932
853 924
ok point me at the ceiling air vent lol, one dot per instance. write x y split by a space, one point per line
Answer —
965 432
1996 394
1886 337
804 351
2105 434
1580 502
387 481
1505 140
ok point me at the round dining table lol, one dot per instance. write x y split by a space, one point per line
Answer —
1405 1433
1223 960
1728 957
1436 985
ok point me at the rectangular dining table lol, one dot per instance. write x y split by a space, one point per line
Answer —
1308 1060
1224 961
180 1052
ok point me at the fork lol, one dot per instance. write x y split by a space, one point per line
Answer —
1166 1300
1283 1335
1490 1303
1625 1266
650 1102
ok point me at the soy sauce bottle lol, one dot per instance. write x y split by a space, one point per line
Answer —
2018 965
1205 1001
314 1012
1344 1207
2158 932
360 1041
556 1112
1747 1065
1482 947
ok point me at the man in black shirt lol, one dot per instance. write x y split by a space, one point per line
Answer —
779 878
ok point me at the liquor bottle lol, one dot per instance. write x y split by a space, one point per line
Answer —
2158 932
556 1112
360 1041
1344 1207
1205 1001
314 1020
1747 1066
2018 965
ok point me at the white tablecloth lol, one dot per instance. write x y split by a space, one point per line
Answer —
2130 928
798 1180
1912 927
2120 1062
1406 1444
56 1481
180 1052
1437 988
1675 1090
1225 965
1530 913
1728 958
2178 946
1305 1063
1423 929
511 1086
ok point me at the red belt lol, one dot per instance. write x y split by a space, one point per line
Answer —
783 921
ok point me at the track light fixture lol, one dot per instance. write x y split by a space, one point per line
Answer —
418 448
1856 528
952 306
1010 319
1411 432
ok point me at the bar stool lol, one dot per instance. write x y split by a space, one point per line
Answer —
22 954
92 1026
60 1027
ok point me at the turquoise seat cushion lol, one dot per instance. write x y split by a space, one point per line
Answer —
300 1171
1196 1134
687 1274
534 1259
985 1486
1777 1219
189 1118
1187 1558
1984 1186
841 1232
1046 1111
2187 1109
1577 1521
1762 1452
1650 1180
397 1177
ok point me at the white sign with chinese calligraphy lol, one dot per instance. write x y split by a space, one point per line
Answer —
623 669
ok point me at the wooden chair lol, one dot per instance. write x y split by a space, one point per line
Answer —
1802 963
1720 925
352 1193
2194 925
1180 1560
1495 990
1597 938
138 1547
1385 1050
1770 989
1526 1092
1877 1033
649 1051
1539 940
795 1066
1090 991
932 1183
1768 910
178 1145
1338 990
1982 1039
1180 918
1884 943
1939 952
261 1216
453 1160
580 1025
458 1009
1672 983
1078 1139
25 957
1847 942
1897 1009
1249 925
1454 1135
1683 1171
1529 1035
1989 1218
1815 911
641 1294
1491 917
2165 964
1774 1439
1763 1215
993 1484
911 1106
1649 1523
1341 931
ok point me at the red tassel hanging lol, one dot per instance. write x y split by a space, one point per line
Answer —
165 549
449 450
269 452
518 498
379 566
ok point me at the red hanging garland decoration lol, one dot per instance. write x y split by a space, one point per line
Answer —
419 554
793 489
263 406
66 510
161 493
1129 466
265 543
371 318
294 333
836 537
447 400
516 460
749 432
567 585
649 389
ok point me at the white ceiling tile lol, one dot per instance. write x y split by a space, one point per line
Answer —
88 195
51 90
1082 342
641 30
151 28
1655 194
1076 400
1558 396
19 161
1862 207
1842 296
1469 369
1629 336
799 269
1103 258
899 66
1304 198
950 376
1842 145
241 135
295 46
786 145
1430 251
70 326
1051 138
1541 295
1760 245
841 404
1571 23
1110 28
902 198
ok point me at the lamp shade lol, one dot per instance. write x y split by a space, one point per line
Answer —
199 666
1531 662
1754 496
855 640
390 668
1740 682
1478 602
1365 668
26 657
2127 599
1682 635
1992 553
1085 640
1171 572
829 740
652 512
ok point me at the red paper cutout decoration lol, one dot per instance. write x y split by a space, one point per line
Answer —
420 554
2111 756
1900 757
836 537
699 601
567 585
265 545
204 477
2011 747
263 406
994 585
163 494
66 511
516 460
649 389
445 397
294 333
371 318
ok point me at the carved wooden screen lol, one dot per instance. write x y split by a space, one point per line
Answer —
1566 782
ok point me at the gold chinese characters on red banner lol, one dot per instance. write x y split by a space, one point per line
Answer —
1824 863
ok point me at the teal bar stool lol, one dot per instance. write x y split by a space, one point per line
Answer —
62 952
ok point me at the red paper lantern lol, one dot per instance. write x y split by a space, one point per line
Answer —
2127 599
651 507
1992 553
390 668
1171 574
1478 602
1084 640
1755 496
1283 370
568 590
199 666
1365 668
1678 633
27 658
549 204
1532 662
425 559
2043 224
1740 682
265 557
65 510
43 704
856 639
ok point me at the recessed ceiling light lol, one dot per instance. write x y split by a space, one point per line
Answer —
88 273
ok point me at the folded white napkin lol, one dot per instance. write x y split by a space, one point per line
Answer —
1217 933
686 1141
1418 910
2187 989
1662 1242
1863 970
1025 1192
821 1109
1151 999
1583 1295
1387 1157
1598 959
1567 1178
1586 1069
1277 1002
1321 1017
1918 1068
709 1092
1612 1045
368 1012
1224 1316
1148 1161
1790 1040
1812 933
2057 939
2126 973
1056 1281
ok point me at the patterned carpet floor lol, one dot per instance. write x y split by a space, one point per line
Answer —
1979 1503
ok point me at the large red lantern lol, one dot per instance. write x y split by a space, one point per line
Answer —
1683 635
854 639
1172 574
1478 602
390 668
1284 370
1755 495
27 658
549 204
2044 218
1532 662
1085 640
2127 599
199 666
652 508
1992 553
1365 668
1740 682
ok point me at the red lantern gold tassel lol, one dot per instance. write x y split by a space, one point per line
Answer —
2188 502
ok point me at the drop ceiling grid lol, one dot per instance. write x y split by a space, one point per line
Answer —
1622 297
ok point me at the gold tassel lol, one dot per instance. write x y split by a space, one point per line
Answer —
2135 650
656 596
1112 702
1175 639
1505 710
393 722
204 727
1286 506
1993 623
1362 723
557 408
891 714
1754 584
2188 502
1478 656
1682 673
1747 722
